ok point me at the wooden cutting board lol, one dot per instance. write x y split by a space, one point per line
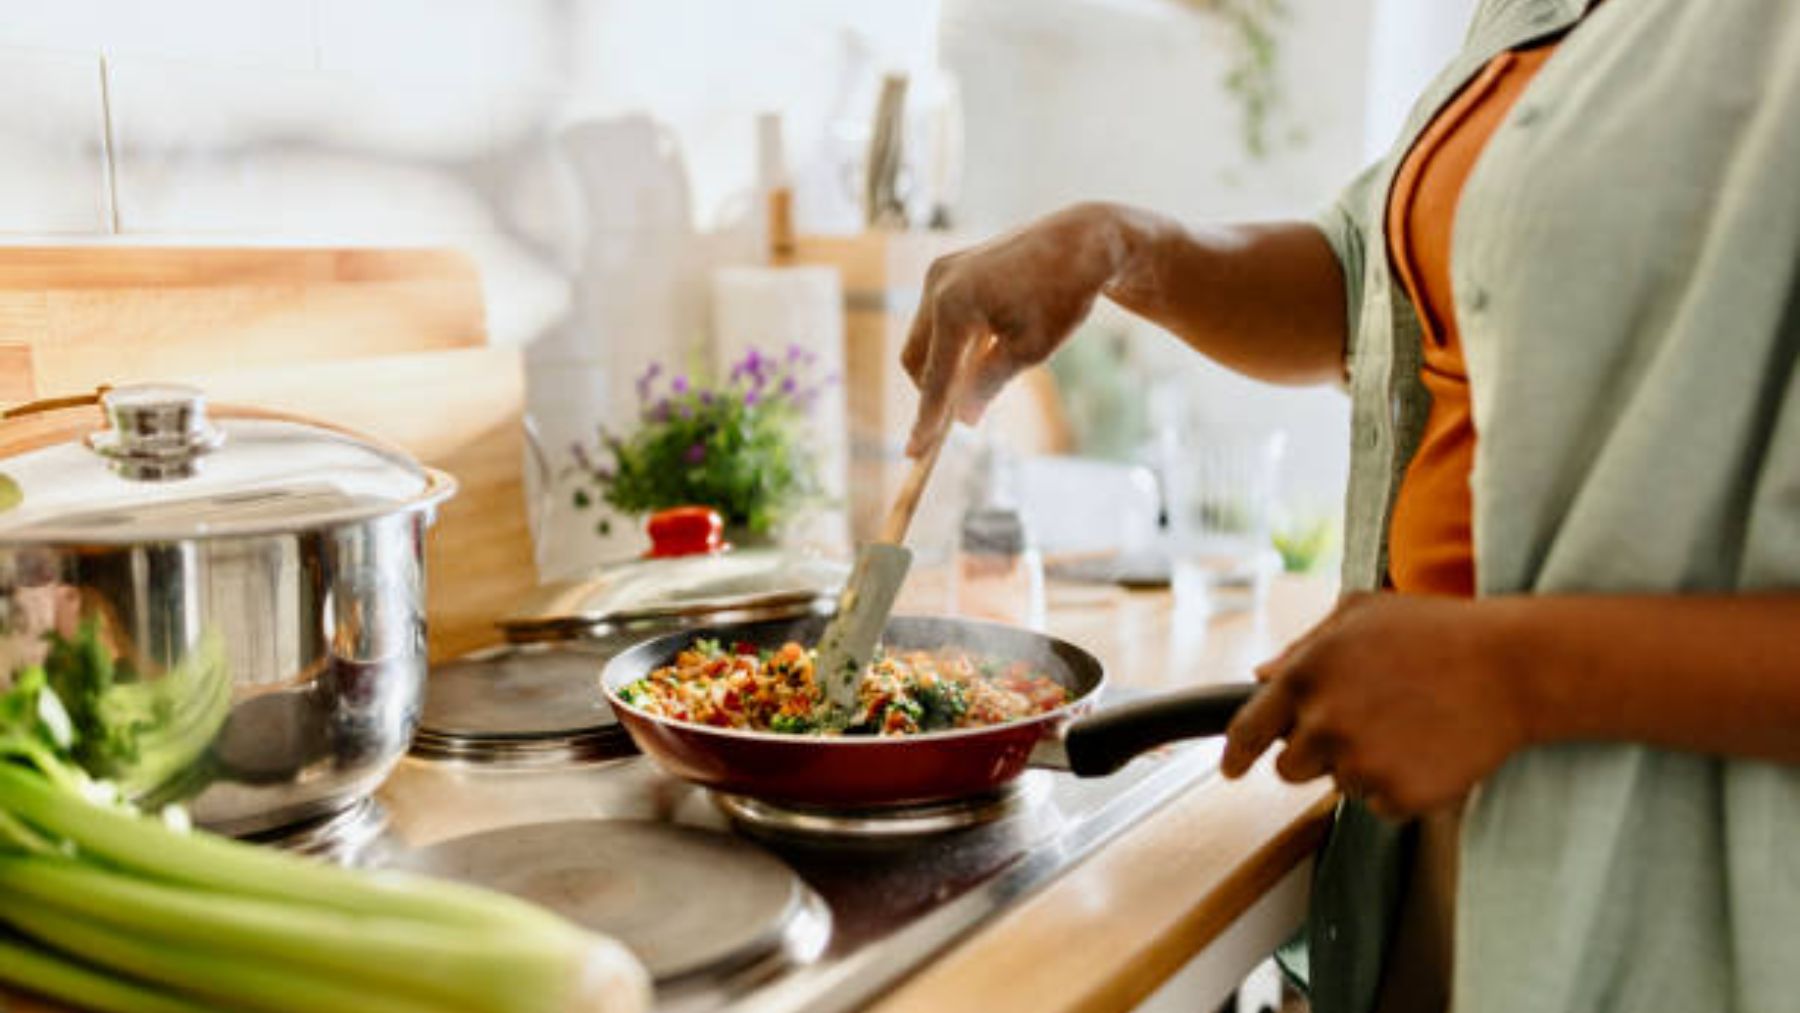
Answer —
110 311
391 342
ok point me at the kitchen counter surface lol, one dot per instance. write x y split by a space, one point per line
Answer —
1211 881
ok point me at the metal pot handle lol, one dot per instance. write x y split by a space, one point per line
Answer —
51 404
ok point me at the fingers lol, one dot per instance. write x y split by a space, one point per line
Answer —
1305 758
992 367
950 334
1267 717
918 341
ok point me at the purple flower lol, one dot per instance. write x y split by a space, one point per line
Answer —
796 354
706 397
658 412
752 396
789 386
696 454
753 365
582 460
649 377
679 385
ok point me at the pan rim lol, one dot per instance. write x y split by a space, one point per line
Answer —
1044 722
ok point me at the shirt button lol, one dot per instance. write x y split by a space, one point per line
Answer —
1527 116
1478 299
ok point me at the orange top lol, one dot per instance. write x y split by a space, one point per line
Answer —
1430 539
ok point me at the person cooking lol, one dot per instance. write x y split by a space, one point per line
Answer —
1568 654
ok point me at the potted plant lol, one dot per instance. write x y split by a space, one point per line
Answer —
736 445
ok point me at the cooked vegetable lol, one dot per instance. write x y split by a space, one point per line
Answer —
113 910
901 693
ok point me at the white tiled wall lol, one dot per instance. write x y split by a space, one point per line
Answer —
53 174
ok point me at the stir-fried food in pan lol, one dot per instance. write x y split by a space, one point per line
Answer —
903 692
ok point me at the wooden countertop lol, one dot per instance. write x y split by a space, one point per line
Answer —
1109 932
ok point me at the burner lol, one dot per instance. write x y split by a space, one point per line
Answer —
339 837
785 820
684 900
524 705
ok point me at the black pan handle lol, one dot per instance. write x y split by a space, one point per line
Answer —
1104 741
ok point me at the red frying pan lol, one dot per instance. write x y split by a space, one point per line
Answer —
849 771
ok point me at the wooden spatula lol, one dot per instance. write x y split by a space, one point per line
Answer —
848 642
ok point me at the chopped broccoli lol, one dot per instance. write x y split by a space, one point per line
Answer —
708 647
791 724
942 704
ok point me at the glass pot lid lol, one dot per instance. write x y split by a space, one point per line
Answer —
153 464
739 584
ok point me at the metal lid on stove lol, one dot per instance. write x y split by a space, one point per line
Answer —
658 593
522 704
686 901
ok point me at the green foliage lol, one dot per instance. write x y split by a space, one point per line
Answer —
1303 546
1255 75
737 446
1253 79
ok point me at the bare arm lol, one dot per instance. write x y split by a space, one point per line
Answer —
1411 699
1265 300
1713 674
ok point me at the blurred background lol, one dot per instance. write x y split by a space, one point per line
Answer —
625 175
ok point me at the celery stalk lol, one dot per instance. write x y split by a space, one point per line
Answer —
145 846
54 976
264 987
500 970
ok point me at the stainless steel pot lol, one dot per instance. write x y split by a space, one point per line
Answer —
249 589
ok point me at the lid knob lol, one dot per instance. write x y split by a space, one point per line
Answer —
159 431
686 531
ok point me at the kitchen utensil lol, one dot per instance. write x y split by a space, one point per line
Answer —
523 705
657 595
256 581
884 207
864 771
868 598
687 902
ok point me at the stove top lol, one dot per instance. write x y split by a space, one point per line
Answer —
638 881
868 896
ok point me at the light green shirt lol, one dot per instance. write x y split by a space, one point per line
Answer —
1624 265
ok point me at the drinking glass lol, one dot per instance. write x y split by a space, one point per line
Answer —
1220 492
